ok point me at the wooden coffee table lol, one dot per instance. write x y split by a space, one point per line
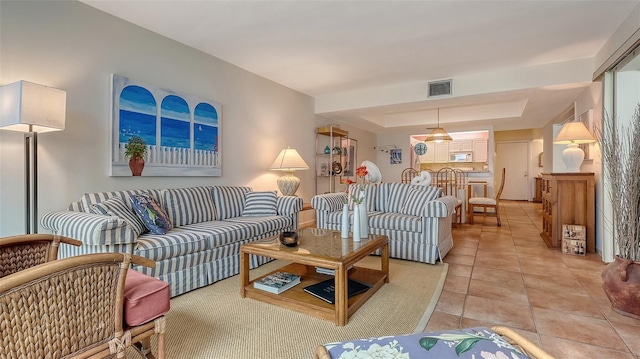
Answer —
319 248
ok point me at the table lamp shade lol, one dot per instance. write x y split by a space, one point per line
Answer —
29 107
289 160
573 134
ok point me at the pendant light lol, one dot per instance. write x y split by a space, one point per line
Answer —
438 134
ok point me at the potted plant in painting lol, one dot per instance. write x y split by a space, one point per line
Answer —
620 148
135 149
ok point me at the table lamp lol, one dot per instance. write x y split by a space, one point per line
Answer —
288 161
572 135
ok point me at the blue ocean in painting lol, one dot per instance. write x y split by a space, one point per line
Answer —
174 133
205 113
205 137
137 99
137 124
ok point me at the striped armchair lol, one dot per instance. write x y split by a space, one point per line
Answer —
417 219
210 223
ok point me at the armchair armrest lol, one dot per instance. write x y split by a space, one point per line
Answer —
91 229
329 202
288 205
441 207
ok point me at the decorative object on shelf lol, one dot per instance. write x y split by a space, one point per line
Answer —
420 148
573 134
336 168
327 150
289 161
344 224
289 239
31 108
438 134
620 148
136 149
337 150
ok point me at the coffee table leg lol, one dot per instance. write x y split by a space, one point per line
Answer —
384 258
342 302
244 272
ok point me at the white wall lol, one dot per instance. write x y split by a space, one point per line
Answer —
74 47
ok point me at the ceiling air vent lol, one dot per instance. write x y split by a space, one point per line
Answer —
439 88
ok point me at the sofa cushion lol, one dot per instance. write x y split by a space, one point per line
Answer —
416 200
265 224
145 298
151 214
115 206
188 205
91 198
396 222
180 241
228 201
370 193
259 203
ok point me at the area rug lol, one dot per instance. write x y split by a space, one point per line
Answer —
215 322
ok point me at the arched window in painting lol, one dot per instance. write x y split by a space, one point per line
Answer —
205 137
137 115
175 123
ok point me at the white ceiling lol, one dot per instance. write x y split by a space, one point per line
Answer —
514 64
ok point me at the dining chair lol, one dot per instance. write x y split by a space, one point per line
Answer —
79 300
24 251
485 202
408 174
449 180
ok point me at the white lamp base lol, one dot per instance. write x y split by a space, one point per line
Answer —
288 184
573 157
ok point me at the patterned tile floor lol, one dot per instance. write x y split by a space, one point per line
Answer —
507 276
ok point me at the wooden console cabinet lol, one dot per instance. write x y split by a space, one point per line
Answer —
568 198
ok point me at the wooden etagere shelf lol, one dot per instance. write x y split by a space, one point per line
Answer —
568 198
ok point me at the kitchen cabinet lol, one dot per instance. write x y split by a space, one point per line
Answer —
429 157
441 152
480 151
461 146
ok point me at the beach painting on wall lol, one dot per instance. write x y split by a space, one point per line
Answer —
181 133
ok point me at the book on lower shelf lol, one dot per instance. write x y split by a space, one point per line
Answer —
327 271
277 282
326 289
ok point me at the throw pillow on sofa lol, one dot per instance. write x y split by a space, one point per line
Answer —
115 206
416 199
260 204
151 214
188 205
228 200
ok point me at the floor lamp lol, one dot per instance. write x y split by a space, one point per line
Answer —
31 108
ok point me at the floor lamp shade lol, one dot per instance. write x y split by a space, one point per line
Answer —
573 134
31 108
289 161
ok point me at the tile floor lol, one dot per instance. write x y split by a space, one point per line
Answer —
507 276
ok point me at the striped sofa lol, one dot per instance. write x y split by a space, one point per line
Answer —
417 219
204 245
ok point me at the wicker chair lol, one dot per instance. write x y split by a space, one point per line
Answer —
25 251
71 308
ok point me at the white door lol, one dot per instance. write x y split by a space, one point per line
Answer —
514 157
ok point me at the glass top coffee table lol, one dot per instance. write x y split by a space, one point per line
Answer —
325 249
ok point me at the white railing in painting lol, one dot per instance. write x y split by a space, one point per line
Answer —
164 155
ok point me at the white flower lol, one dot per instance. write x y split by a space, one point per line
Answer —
497 355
